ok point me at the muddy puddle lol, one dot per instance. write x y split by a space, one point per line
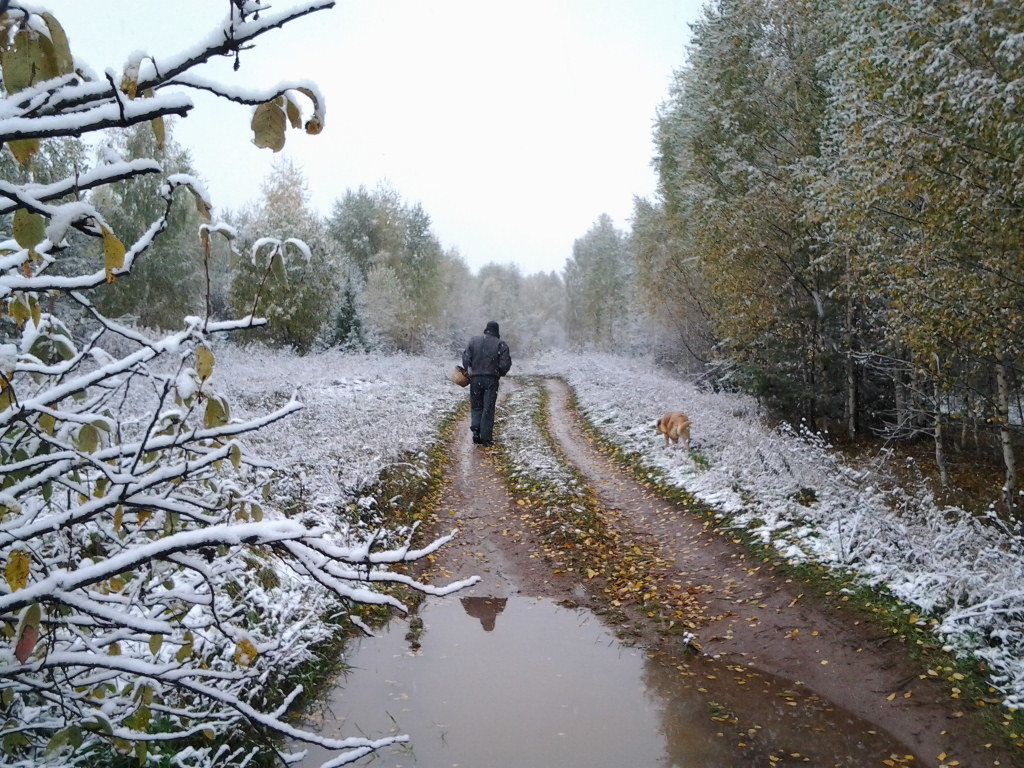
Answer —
517 682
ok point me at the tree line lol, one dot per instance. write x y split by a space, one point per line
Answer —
371 275
839 220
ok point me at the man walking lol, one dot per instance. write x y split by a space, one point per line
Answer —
486 359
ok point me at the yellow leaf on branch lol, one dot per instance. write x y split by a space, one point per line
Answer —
113 253
268 125
23 149
245 653
204 362
16 570
28 228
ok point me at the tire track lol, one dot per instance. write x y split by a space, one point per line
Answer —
762 620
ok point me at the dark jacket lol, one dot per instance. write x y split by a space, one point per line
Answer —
487 355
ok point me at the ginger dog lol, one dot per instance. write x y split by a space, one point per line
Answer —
675 427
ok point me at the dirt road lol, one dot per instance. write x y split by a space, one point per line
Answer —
786 678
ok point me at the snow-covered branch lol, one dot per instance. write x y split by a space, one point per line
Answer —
156 590
97 177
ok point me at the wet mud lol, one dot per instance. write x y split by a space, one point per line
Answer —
524 669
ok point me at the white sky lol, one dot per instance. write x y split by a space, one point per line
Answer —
514 124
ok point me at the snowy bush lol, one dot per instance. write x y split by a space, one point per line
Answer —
787 488
152 589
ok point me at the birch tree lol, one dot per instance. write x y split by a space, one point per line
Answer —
925 148
287 274
598 279
153 600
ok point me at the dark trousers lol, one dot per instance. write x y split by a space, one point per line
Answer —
483 394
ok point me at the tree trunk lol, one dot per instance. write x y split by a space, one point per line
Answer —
940 454
821 388
1005 435
918 402
965 418
851 373
899 398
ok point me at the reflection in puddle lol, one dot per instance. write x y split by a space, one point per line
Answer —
549 686
484 608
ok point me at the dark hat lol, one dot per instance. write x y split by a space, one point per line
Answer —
492 328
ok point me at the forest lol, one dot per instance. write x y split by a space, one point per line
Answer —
838 233
841 215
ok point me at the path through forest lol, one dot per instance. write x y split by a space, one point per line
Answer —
525 668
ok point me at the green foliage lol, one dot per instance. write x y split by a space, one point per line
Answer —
738 147
291 287
598 279
399 267
169 283
348 327
841 200
936 224
940 238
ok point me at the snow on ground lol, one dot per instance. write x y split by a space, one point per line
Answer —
365 413
362 414
533 462
791 491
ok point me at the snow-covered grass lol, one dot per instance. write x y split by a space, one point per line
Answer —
537 472
362 414
794 493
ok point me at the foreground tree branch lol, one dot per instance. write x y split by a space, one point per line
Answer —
154 599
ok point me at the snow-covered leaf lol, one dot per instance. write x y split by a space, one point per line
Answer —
245 653
216 413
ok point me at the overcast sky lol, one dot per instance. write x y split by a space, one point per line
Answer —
514 124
